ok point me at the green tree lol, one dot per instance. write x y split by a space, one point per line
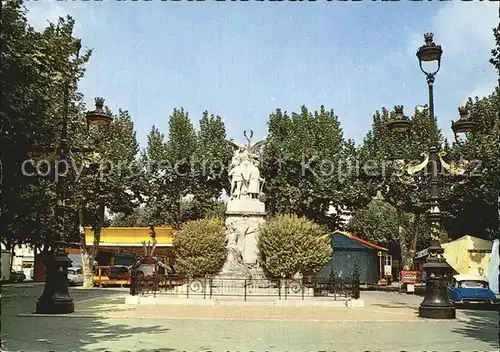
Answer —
378 222
200 248
305 165
408 194
154 160
138 218
112 180
181 146
289 244
170 169
210 173
38 68
188 171
476 210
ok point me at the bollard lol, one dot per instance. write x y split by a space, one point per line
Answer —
355 282
245 290
133 285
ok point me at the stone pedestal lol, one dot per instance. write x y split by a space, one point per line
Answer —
243 218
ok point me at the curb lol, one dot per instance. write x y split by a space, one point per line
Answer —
17 285
161 317
35 315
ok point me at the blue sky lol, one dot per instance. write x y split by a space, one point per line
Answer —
244 60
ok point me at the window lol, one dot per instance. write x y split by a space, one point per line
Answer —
473 284
388 260
119 270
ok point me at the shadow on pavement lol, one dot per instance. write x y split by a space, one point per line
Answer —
481 325
393 305
79 331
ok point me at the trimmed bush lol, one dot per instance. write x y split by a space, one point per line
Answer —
289 244
200 248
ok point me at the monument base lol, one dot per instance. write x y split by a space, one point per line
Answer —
243 219
245 206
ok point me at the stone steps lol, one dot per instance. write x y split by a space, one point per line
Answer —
295 301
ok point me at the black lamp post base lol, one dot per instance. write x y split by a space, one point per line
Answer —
436 304
55 298
55 307
436 312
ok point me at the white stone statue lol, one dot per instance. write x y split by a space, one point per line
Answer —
234 254
245 175
255 182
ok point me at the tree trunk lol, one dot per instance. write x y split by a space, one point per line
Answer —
12 255
406 253
87 268
97 231
35 254
416 221
87 264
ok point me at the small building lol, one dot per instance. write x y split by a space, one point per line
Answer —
23 259
120 245
468 255
349 251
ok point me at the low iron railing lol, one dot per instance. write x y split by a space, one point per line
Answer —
210 287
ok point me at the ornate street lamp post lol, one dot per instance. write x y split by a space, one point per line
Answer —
436 304
55 298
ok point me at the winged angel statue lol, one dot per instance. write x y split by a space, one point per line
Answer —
246 182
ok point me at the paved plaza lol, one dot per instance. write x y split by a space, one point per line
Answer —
101 322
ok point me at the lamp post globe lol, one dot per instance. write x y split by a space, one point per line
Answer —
464 125
400 122
98 117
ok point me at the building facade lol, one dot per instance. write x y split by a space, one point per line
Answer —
350 251
120 245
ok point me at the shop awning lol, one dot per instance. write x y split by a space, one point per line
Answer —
130 236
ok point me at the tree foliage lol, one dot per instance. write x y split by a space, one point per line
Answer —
200 248
379 222
180 149
111 177
475 208
187 172
210 168
306 165
38 68
407 194
153 159
289 244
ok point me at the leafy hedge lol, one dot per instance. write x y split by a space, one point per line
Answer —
200 248
289 244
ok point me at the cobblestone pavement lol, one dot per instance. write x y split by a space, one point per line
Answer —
208 328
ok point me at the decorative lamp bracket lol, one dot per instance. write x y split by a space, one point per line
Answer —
454 169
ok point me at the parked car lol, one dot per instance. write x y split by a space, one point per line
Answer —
17 276
145 270
75 276
119 272
471 289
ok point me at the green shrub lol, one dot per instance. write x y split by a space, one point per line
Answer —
290 245
200 248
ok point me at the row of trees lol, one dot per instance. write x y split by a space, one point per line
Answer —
309 166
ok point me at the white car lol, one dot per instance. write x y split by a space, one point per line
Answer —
146 270
75 276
